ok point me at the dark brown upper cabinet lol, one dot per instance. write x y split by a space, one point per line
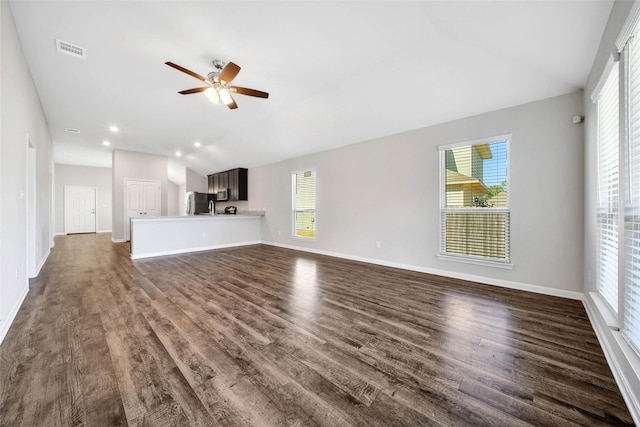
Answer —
234 180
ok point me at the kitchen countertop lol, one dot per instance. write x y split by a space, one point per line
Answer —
242 215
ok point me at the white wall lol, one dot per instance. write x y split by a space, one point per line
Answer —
388 190
21 120
87 176
133 165
624 364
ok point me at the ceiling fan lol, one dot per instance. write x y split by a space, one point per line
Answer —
217 89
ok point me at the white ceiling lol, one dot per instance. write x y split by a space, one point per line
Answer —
338 72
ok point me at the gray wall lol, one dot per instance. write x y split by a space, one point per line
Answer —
173 202
86 176
133 165
196 182
388 190
182 203
22 120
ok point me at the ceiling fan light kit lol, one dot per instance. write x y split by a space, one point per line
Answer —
217 90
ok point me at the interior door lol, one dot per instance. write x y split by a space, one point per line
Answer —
142 199
152 198
79 209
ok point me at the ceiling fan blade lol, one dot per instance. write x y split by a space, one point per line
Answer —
247 91
232 105
195 90
229 72
184 70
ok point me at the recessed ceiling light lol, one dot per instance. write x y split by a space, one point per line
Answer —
197 144
106 143
178 154
113 128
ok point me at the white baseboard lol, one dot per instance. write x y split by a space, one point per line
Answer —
42 261
618 354
6 322
118 240
200 249
99 231
462 276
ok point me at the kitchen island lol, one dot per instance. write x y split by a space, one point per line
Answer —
167 235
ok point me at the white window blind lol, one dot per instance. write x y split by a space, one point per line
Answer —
631 318
474 200
608 188
303 185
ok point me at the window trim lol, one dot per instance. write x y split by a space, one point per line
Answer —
470 259
597 91
293 205
473 259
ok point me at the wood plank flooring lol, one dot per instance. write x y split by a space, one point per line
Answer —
266 336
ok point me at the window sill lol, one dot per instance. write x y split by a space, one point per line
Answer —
311 239
482 262
609 316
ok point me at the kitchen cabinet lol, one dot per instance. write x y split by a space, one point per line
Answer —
214 183
238 184
223 178
234 180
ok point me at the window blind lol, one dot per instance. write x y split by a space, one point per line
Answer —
608 188
474 215
631 318
304 203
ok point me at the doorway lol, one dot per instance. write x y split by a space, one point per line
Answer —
79 209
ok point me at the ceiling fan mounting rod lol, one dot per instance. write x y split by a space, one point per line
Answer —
219 64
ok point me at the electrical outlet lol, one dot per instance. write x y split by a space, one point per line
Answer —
378 244
204 235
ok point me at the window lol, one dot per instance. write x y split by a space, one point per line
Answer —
608 188
474 202
303 186
618 197
631 295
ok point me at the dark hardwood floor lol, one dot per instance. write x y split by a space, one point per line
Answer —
266 336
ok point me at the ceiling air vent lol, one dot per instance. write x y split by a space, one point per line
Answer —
71 130
71 49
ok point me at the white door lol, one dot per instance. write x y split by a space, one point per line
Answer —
152 198
142 199
79 209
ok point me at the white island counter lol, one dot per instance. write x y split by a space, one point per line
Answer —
157 236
